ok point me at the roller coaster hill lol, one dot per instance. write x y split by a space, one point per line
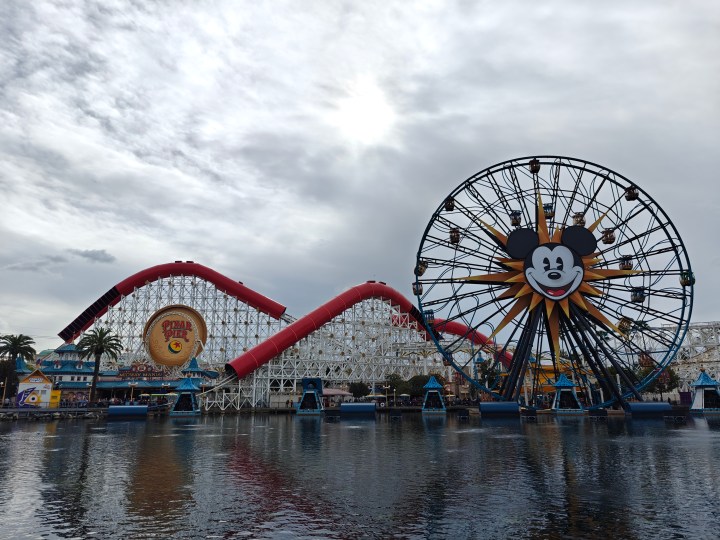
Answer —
249 352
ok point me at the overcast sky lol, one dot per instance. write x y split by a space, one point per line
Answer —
302 147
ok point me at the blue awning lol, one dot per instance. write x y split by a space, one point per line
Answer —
705 380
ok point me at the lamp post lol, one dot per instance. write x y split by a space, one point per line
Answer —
386 395
132 386
4 387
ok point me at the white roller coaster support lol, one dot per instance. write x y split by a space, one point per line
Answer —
366 343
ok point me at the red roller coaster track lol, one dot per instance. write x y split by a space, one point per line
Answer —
83 321
287 337
262 353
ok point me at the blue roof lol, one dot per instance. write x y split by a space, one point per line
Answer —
68 347
42 355
53 367
192 367
705 380
432 384
563 382
21 366
187 385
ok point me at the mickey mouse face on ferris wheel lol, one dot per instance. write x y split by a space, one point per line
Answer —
554 270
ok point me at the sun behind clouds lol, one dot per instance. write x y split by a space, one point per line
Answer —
364 116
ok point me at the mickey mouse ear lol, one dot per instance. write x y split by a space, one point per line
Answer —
580 240
521 242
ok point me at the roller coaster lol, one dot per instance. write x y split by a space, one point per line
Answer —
362 335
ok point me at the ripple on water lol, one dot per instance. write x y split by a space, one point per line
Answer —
406 479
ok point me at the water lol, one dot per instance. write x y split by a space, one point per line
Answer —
287 477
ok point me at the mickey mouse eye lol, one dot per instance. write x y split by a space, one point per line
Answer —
546 264
559 262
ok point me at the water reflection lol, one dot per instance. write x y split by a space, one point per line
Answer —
259 476
158 483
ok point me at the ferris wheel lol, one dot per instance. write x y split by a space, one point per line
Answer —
568 268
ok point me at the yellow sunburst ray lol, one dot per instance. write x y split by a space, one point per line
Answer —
589 289
512 291
500 277
594 226
519 306
595 312
497 234
565 305
525 289
597 274
536 299
554 329
577 299
512 263
557 235
549 307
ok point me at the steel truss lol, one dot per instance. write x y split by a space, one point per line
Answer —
365 343
233 326
699 350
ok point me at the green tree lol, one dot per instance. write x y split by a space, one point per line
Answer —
666 382
359 389
487 373
397 384
96 343
12 346
416 384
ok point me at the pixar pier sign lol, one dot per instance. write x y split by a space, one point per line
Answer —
177 329
174 334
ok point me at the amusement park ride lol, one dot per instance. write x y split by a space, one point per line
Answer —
531 270
571 266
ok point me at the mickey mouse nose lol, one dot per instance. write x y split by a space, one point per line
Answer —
554 275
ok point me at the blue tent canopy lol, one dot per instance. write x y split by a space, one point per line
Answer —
187 385
192 367
704 380
432 384
563 382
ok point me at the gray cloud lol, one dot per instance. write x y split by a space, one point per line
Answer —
93 255
45 264
185 131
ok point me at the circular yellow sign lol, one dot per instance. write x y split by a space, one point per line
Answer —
174 334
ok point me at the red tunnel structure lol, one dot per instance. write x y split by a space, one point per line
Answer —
262 353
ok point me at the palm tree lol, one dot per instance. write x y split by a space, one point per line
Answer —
98 342
11 347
